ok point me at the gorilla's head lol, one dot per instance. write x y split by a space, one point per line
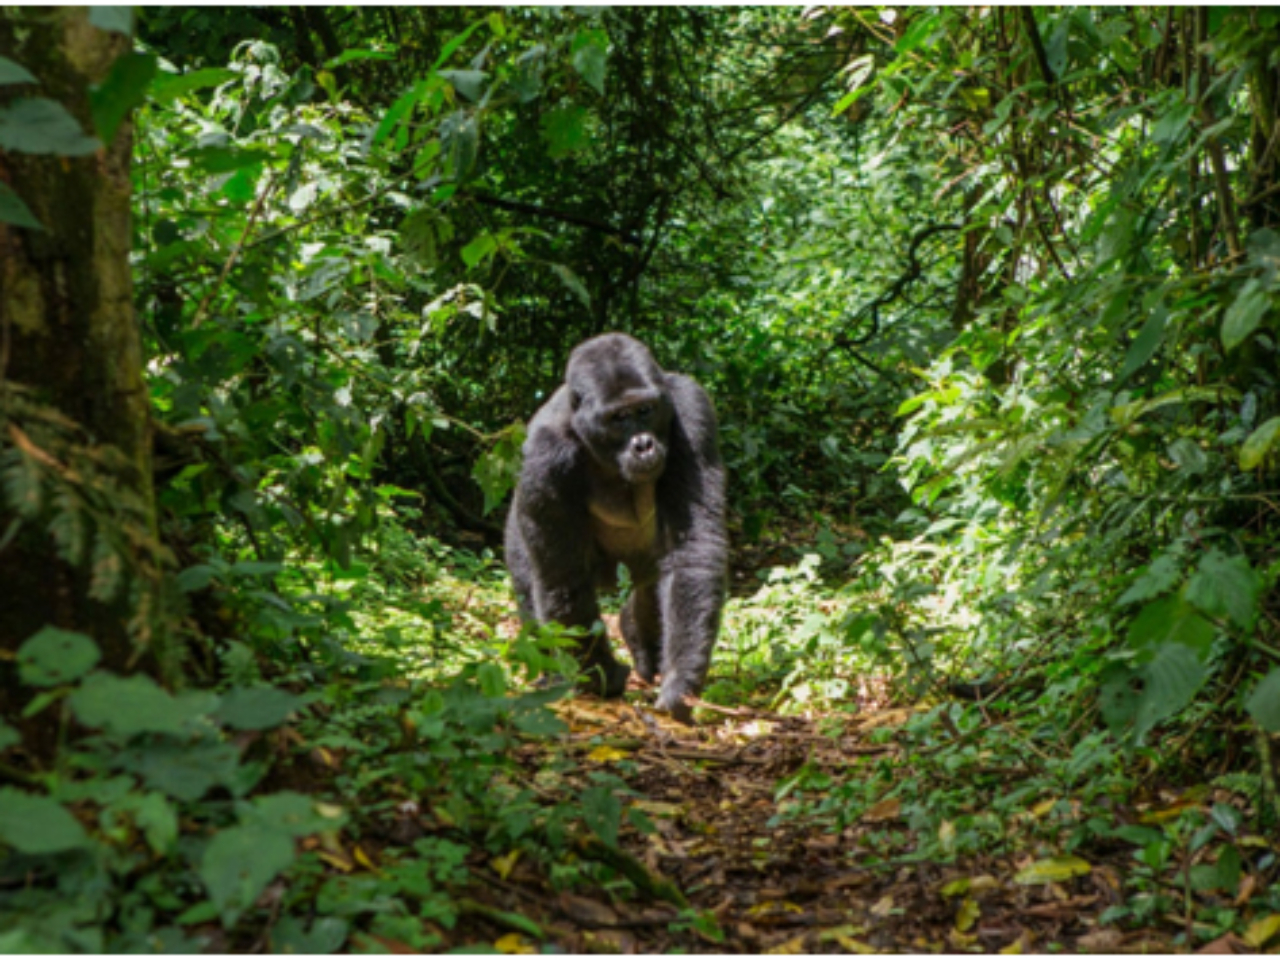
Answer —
621 410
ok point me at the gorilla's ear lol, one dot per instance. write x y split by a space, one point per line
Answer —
575 400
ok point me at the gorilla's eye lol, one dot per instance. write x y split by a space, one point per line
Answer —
644 411
620 416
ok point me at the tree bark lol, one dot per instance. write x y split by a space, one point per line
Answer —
75 444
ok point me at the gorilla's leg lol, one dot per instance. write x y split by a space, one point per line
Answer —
690 599
575 605
642 630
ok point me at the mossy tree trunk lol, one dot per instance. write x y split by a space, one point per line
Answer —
78 548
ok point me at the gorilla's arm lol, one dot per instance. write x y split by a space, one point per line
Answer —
549 548
692 586
553 520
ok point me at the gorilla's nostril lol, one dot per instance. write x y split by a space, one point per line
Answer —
642 444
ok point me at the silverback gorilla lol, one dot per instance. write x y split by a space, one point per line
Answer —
622 465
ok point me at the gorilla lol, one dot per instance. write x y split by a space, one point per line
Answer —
622 465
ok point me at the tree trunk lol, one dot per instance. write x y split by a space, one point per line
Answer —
78 545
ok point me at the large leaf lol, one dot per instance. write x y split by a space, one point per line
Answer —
11 72
1155 580
1171 620
602 812
1145 344
51 657
185 771
469 83
589 57
1226 587
1171 680
1244 314
42 126
38 824
1260 443
565 129
1264 703
128 705
239 863
170 87
125 88
257 708
14 211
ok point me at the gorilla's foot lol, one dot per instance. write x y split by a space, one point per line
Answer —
605 679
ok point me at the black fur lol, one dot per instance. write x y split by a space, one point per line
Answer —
622 465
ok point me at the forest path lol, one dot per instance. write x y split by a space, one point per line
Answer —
760 880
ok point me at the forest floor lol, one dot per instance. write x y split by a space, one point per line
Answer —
855 822
764 884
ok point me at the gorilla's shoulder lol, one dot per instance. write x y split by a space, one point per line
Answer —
550 443
691 401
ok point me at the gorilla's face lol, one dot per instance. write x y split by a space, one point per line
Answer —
621 410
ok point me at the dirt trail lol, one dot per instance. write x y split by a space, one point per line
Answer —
759 882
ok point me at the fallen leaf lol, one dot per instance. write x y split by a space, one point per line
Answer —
1052 870
1043 807
588 912
657 808
967 915
1262 930
1227 943
883 907
514 943
794 945
607 754
961 941
362 858
1020 945
503 865
889 808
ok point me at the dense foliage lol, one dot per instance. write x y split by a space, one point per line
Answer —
986 299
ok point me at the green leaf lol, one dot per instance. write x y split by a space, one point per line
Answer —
602 812
346 56
1171 680
125 706
1244 315
1264 703
184 771
589 57
42 126
156 817
169 87
52 656
468 83
492 680
565 130
1145 344
1053 870
398 110
325 935
226 159
14 211
1260 444
479 248
38 824
124 88
257 708
1173 124
8 736
460 139
1155 580
292 813
11 72
239 863
1226 586
570 280
1170 620
115 19
919 31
